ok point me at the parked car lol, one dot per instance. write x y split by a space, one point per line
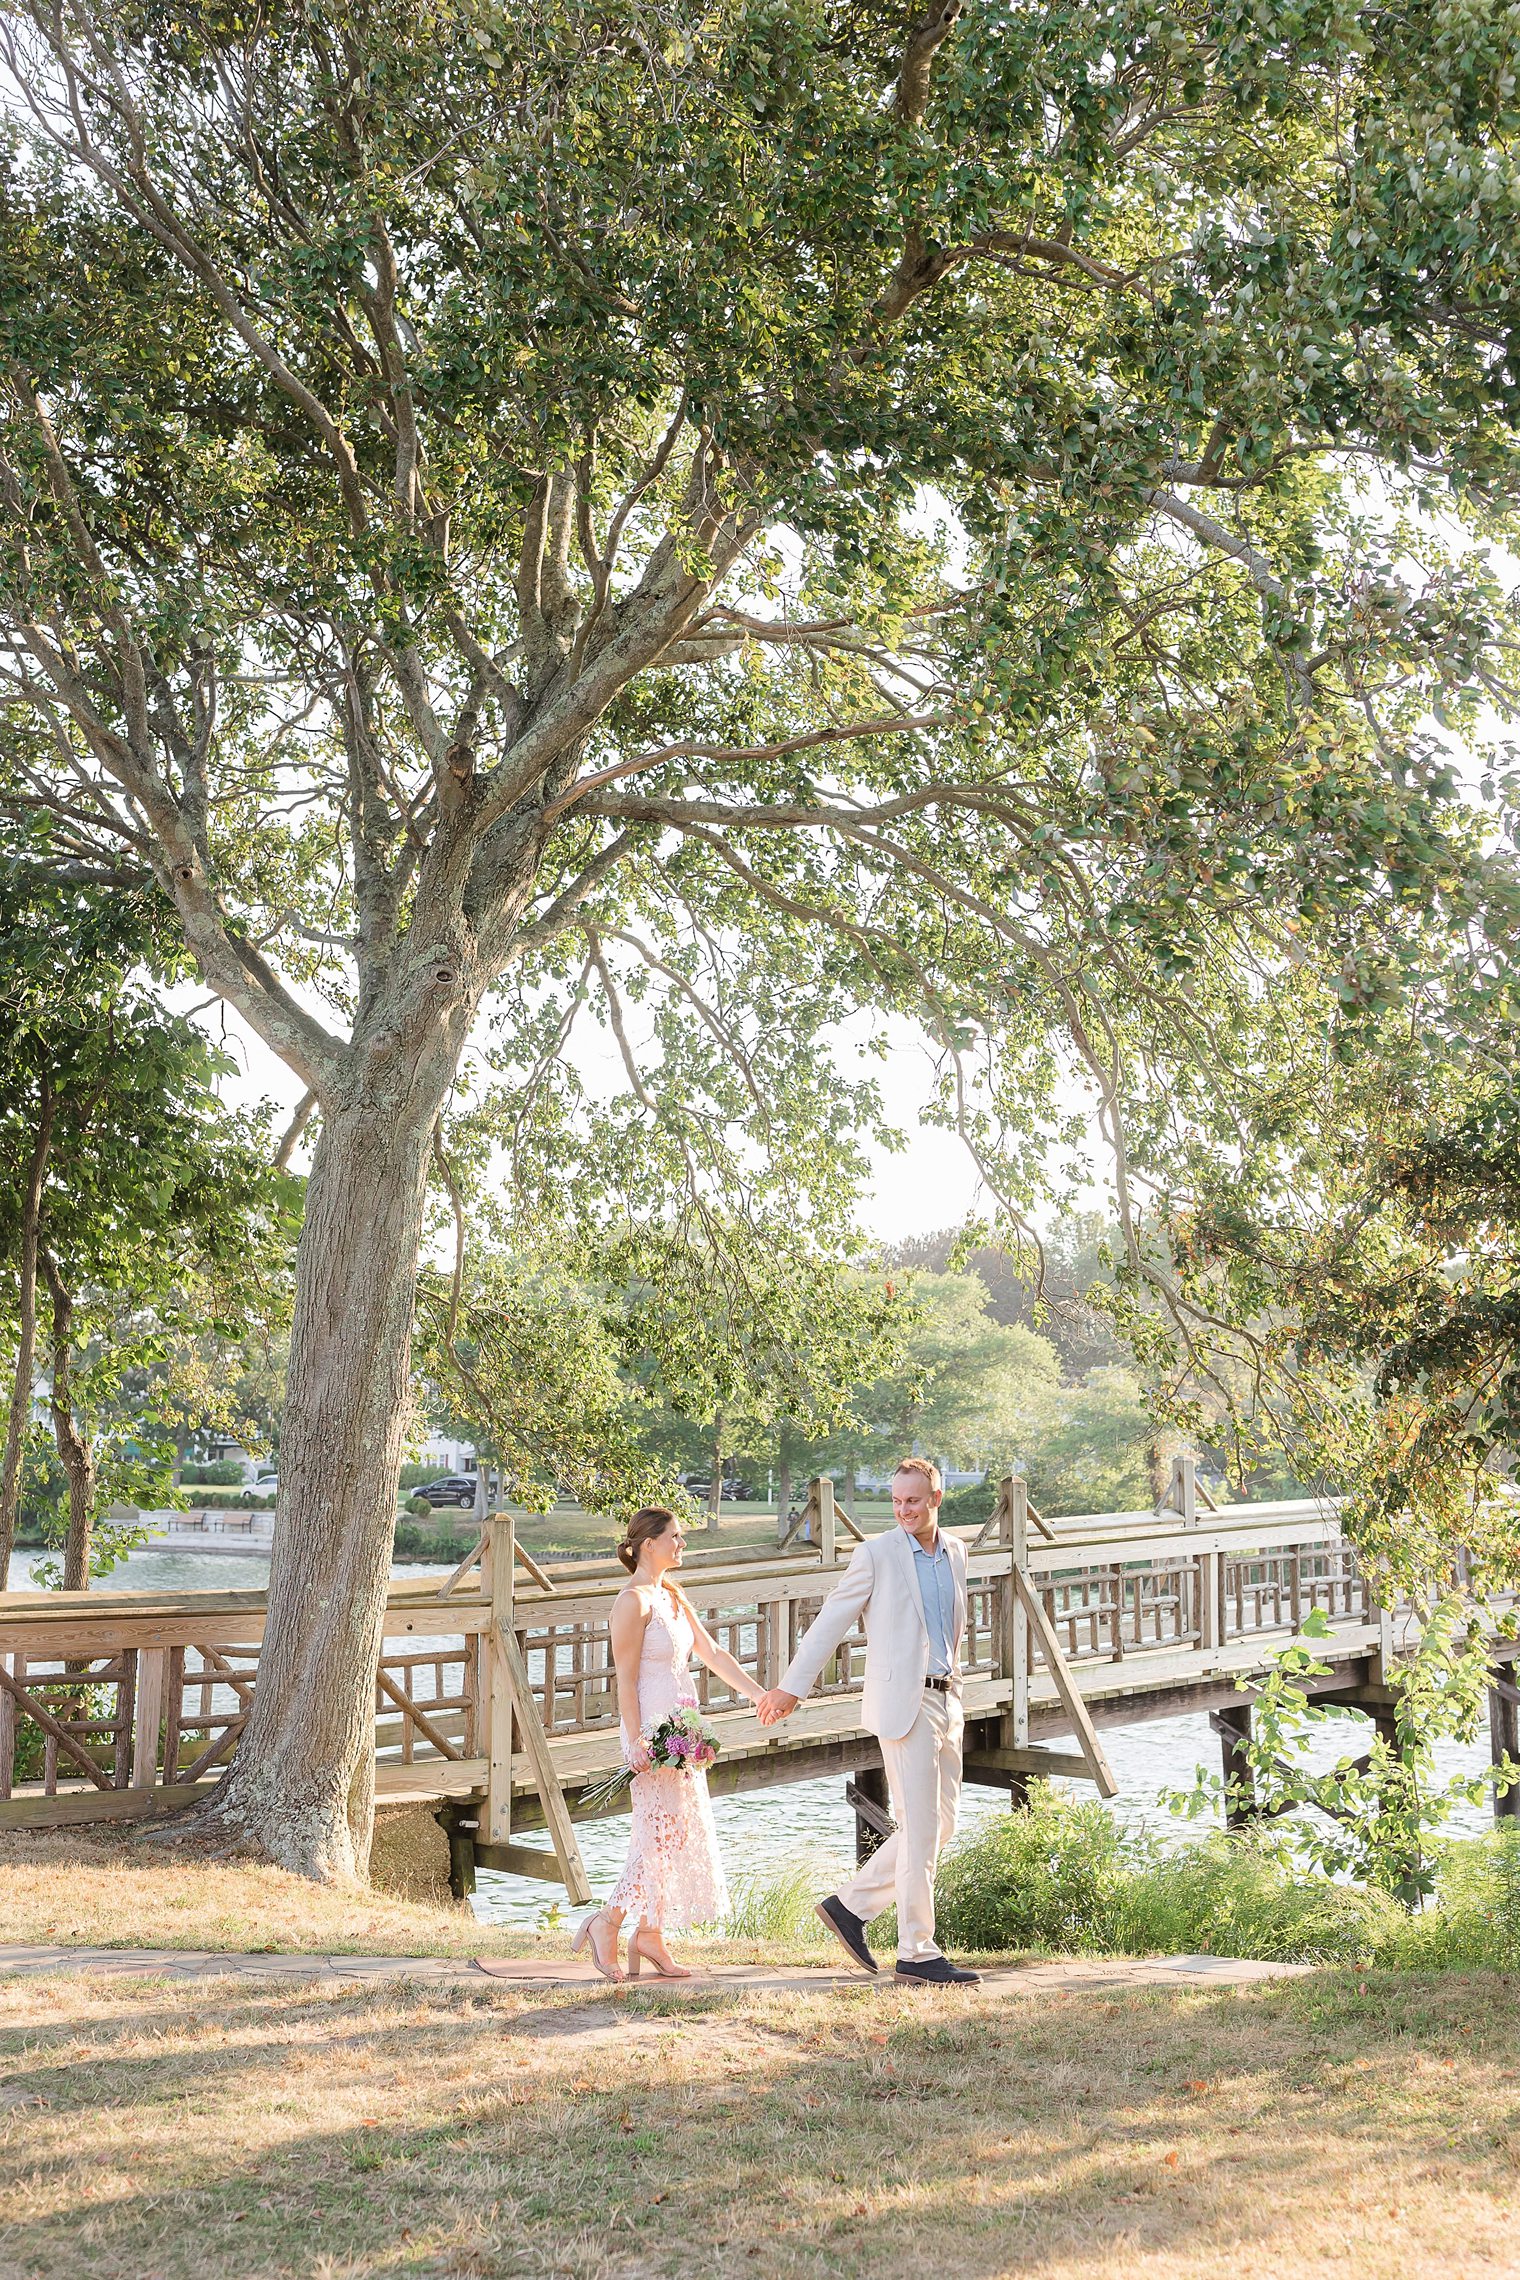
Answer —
455 1488
732 1491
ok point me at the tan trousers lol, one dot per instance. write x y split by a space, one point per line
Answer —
924 1778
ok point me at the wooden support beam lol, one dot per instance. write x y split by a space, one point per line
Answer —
60 1734
459 1826
472 1558
806 1519
525 1559
1504 1739
1024 1764
8 1735
419 1718
72 1807
546 1780
1066 1685
498 1577
868 1799
525 1860
152 1677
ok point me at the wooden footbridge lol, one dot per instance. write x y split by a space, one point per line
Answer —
495 1704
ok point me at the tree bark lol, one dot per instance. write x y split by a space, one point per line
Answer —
73 1445
300 1791
26 1341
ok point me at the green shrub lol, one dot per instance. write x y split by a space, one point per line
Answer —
1051 1877
968 1507
1065 1875
414 1543
222 1472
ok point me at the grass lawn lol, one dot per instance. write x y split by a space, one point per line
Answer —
104 1887
592 1537
1349 2125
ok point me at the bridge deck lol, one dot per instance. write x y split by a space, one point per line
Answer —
1109 1617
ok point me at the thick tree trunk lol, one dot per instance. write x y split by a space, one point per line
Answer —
26 1340
301 1788
73 1446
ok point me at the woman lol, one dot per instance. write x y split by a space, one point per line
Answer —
673 1877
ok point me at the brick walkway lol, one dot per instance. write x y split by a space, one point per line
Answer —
189 1963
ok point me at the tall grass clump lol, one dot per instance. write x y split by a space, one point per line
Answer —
1475 1922
778 1906
1066 1876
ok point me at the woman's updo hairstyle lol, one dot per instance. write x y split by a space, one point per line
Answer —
642 1529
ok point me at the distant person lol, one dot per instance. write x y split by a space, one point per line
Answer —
909 1584
673 1877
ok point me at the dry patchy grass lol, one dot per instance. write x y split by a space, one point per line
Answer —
1328 2126
107 1888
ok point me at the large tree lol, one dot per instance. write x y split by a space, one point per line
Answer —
135 1213
791 506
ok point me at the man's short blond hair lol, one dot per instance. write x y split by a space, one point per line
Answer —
922 1466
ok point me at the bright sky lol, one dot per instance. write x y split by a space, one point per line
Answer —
929 1184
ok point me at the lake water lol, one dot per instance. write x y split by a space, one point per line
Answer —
809 1820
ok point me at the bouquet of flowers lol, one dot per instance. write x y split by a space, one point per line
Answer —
679 1742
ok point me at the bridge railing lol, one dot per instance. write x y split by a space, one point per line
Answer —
120 1703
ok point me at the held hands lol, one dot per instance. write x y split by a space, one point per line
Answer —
775 1705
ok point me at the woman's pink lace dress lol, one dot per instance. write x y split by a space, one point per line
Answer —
673 1876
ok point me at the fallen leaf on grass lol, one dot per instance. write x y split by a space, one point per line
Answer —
1171 2159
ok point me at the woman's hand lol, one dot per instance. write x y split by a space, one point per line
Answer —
637 1754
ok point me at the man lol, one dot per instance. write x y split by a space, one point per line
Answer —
910 1586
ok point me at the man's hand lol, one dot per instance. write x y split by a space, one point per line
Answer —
775 1705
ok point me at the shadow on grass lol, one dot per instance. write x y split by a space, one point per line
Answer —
709 2132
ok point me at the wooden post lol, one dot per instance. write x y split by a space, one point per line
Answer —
1504 1735
1012 1518
499 1575
1383 1657
1233 1726
827 1524
459 1825
535 1741
152 1677
1182 1491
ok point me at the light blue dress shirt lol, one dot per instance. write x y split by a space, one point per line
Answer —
936 1591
